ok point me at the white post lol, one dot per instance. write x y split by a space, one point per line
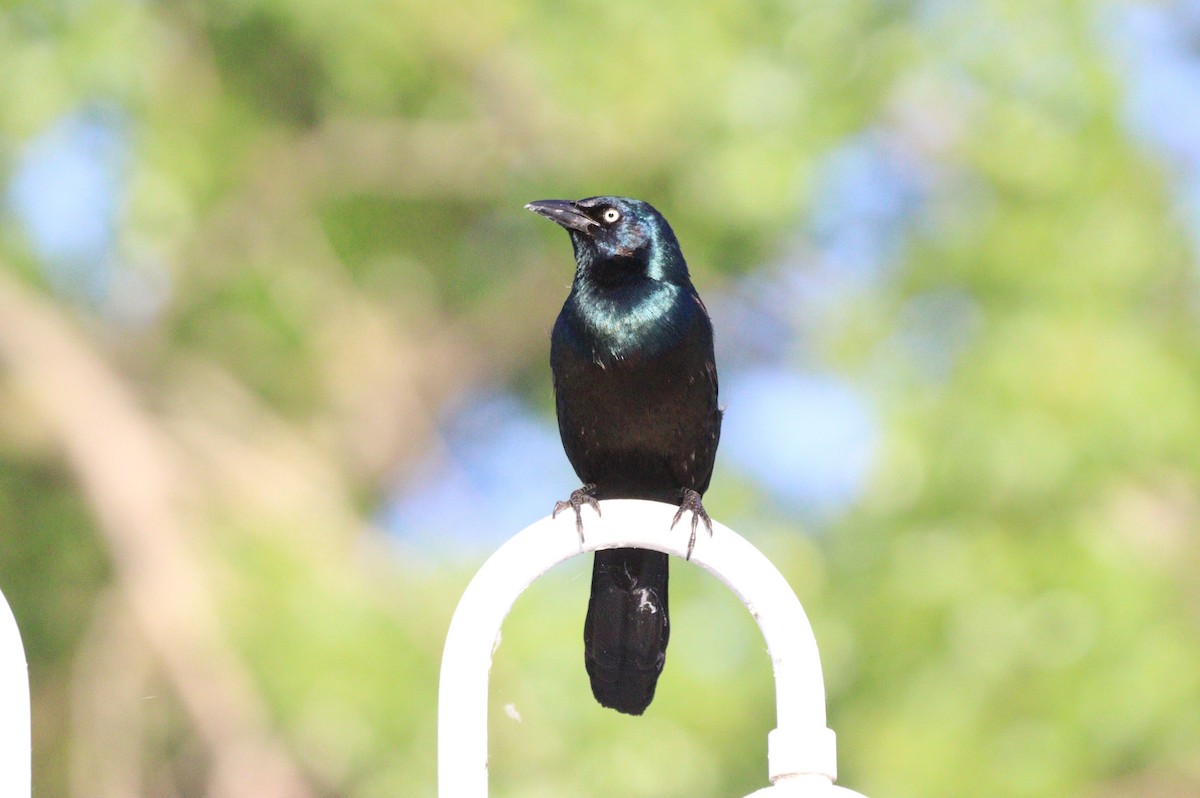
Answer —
15 747
801 750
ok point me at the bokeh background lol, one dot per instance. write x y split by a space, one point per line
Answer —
274 382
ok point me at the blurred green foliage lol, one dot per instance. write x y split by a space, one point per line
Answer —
328 197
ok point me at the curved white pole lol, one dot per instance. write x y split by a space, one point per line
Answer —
801 748
15 747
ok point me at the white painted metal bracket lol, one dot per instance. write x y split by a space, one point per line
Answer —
15 740
801 750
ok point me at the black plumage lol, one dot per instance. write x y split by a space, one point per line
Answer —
635 385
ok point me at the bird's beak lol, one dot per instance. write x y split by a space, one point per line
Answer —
565 213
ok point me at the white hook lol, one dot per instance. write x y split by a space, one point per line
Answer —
801 750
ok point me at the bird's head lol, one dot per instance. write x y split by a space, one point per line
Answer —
618 230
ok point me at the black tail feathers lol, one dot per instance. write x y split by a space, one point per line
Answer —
626 631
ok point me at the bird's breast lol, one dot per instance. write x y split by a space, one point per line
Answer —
614 326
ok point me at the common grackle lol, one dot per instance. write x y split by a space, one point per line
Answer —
635 385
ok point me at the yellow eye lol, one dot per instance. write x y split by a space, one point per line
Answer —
610 215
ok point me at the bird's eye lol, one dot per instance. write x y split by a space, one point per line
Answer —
610 215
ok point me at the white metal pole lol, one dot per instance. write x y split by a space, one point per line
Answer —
801 748
15 747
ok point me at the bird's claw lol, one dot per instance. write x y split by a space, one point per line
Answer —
575 501
691 501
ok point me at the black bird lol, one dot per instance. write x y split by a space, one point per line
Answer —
635 386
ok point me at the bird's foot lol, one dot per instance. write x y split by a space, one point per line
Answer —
575 501
691 501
